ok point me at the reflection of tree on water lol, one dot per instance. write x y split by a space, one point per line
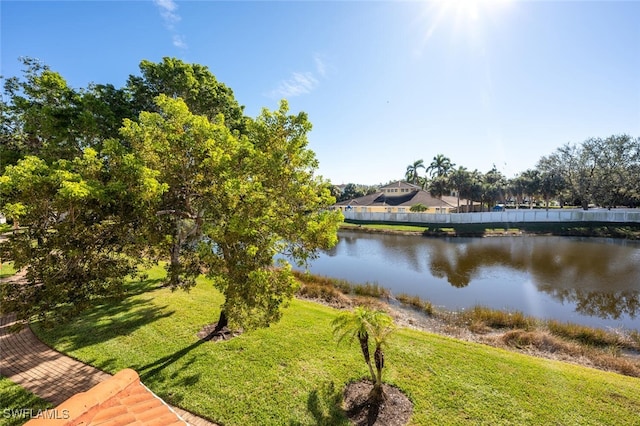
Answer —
460 263
397 248
601 282
607 305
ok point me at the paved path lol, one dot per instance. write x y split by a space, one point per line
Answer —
52 376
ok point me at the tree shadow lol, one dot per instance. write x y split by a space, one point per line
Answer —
16 401
109 319
324 404
154 368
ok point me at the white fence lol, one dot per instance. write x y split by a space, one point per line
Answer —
507 216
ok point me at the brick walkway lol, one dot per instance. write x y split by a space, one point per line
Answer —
52 376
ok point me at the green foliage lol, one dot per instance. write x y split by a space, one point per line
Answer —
233 202
418 208
193 83
79 237
166 168
601 171
412 175
368 326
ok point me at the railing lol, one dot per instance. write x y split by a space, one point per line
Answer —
507 216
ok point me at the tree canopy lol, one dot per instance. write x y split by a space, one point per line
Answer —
165 169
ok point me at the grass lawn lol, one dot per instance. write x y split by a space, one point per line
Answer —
582 229
292 373
6 270
14 399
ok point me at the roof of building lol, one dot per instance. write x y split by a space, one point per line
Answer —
406 199
401 184
118 401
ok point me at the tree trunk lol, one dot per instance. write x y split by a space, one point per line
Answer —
223 322
376 395
174 267
364 347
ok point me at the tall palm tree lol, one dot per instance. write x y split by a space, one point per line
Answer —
440 166
412 171
366 325
460 178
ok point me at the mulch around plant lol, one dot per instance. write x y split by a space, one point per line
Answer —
395 410
208 335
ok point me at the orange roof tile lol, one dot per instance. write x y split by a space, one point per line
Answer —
118 401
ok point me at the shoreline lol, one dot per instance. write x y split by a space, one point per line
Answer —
629 231
604 349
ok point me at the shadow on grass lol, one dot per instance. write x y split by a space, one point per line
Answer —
324 404
116 317
155 368
16 403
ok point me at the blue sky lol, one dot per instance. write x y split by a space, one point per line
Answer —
385 83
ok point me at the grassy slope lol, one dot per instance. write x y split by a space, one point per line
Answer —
293 373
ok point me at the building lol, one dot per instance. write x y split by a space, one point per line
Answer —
399 197
119 400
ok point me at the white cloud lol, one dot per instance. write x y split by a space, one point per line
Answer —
179 41
298 84
321 67
302 83
168 13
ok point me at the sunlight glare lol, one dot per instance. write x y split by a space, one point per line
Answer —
462 15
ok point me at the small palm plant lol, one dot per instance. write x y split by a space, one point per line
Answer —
367 325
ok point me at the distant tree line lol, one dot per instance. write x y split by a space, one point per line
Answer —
600 172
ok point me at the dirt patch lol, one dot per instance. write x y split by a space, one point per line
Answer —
209 333
395 410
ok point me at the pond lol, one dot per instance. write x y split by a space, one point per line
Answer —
594 282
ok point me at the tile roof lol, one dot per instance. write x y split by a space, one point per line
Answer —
406 199
118 401
401 184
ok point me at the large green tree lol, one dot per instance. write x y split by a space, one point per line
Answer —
103 178
233 202
193 83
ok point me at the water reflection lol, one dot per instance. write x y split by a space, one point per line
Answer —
599 277
592 277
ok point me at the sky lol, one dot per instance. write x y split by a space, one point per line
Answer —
385 83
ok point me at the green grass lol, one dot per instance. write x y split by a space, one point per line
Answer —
395 227
293 373
585 229
7 269
15 401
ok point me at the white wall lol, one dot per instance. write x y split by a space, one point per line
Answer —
510 216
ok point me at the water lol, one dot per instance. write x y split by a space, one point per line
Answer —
594 282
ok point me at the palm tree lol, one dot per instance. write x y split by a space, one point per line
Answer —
365 325
460 179
440 166
412 171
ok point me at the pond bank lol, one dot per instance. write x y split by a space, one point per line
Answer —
630 231
608 350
